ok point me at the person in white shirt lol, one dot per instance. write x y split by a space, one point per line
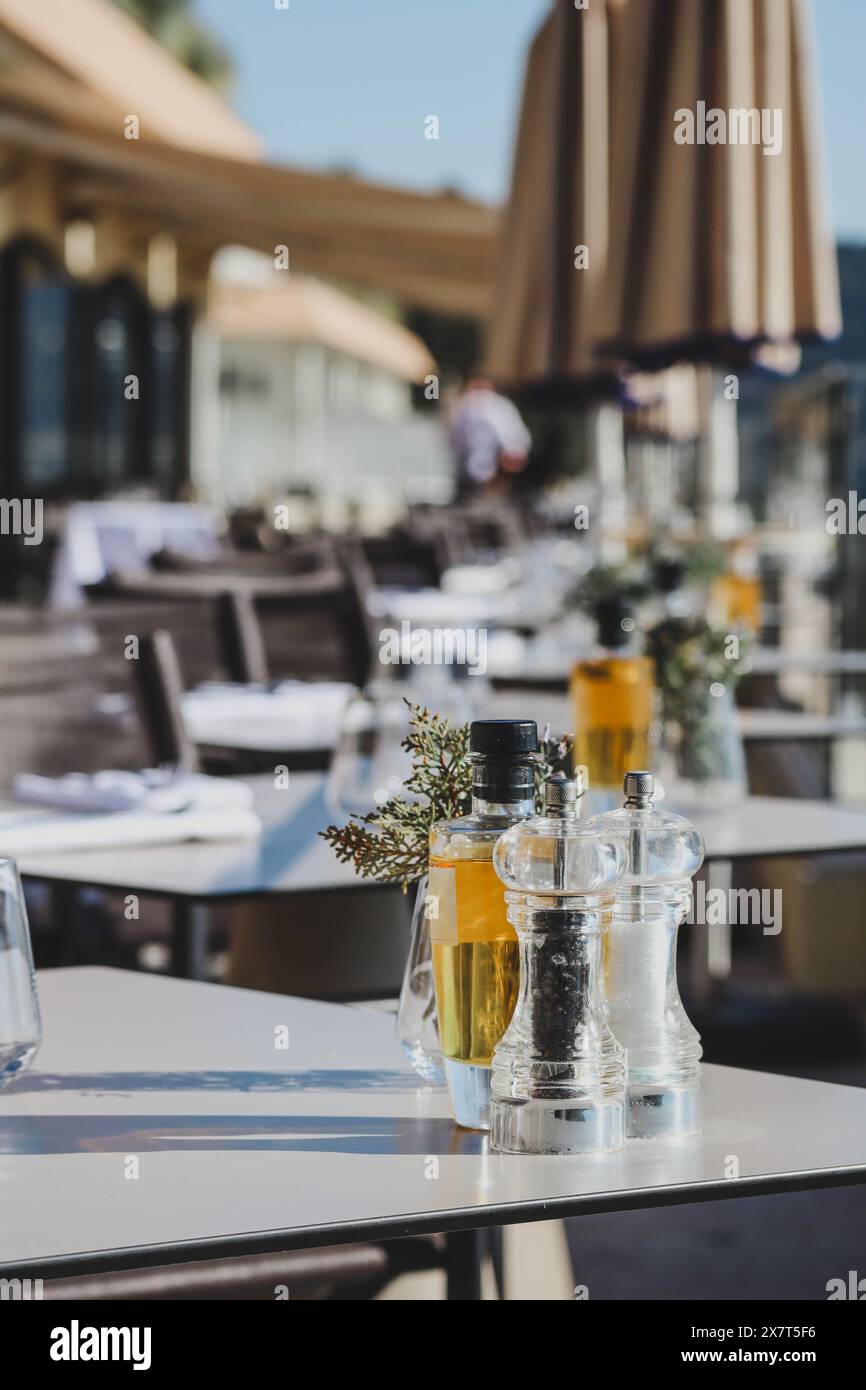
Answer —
489 438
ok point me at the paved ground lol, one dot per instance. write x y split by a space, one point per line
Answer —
784 1247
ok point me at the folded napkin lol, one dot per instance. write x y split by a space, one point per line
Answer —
34 833
158 806
295 714
157 790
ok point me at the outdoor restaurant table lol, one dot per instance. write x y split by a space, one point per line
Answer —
291 857
437 608
551 672
272 739
755 725
769 661
245 1149
798 726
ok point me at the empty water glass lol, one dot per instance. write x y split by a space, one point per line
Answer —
20 1024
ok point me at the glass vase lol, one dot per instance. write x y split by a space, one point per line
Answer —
20 1025
417 1025
700 757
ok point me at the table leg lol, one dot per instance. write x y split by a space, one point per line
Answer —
190 925
496 1247
63 902
463 1255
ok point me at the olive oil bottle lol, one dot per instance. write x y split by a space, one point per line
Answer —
612 700
475 956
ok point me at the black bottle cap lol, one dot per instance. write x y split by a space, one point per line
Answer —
610 613
503 738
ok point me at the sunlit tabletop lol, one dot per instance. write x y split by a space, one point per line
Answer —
162 1121
291 857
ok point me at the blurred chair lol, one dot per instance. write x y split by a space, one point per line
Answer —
342 945
313 626
293 558
240 639
823 937
789 769
444 530
471 530
333 1273
158 691
338 1272
402 560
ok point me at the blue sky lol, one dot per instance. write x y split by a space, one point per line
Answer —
349 82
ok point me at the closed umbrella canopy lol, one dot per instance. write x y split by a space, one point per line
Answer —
544 324
719 237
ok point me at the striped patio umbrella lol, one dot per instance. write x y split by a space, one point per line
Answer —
544 324
719 229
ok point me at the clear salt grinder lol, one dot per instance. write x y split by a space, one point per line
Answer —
663 852
558 1074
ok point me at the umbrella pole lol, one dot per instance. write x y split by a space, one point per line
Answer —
718 457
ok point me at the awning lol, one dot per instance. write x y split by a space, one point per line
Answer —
86 59
433 251
304 310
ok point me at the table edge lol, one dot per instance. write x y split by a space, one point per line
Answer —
426 1223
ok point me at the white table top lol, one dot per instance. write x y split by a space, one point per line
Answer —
243 1148
272 734
756 725
788 725
776 660
294 716
528 669
291 857
502 608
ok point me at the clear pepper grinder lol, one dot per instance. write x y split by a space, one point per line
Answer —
663 852
558 1073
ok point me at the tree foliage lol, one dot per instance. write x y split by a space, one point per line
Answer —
172 24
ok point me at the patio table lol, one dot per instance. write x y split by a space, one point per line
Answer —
270 739
243 1148
290 857
551 672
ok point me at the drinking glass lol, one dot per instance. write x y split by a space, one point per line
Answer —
20 1024
417 1025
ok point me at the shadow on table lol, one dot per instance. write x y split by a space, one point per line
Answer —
283 843
126 1082
136 1134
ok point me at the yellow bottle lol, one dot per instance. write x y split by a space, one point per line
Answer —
612 700
476 969
736 596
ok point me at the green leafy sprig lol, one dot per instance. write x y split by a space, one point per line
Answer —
627 583
690 658
391 843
